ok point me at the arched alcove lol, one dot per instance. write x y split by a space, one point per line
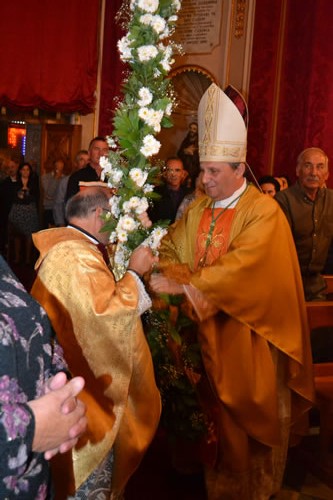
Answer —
189 84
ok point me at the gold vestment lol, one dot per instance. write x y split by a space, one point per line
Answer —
97 324
256 348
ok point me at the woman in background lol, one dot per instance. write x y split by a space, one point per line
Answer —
23 217
50 182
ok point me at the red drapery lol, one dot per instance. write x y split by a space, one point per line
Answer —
49 54
303 88
112 67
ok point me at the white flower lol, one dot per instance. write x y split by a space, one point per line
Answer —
151 117
147 52
106 166
143 113
158 24
127 223
115 176
146 97
114 206
150 25
166 62
165 34
111 142
154 239
146 19
131 204
148 188
125 49
176 4
142 207
113 237
155 120
168 109
136 204
148 5
122 235
150 146
138 176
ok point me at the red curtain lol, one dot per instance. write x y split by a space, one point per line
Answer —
261 92
304 91
112 67
49 54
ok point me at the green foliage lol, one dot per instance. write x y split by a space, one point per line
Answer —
176 354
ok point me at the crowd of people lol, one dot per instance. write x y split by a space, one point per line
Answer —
29 202
242 263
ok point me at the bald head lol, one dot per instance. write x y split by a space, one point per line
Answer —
85 210
310 152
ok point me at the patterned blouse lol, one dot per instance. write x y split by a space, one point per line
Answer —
29 355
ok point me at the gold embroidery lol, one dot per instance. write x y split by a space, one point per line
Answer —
207 149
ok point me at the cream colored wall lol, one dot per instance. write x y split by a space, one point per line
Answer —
228 62
89 129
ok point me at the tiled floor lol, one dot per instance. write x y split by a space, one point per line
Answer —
306 478
156 480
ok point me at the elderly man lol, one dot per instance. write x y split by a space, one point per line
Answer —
308 205
171 193
98 147
98 325
252 330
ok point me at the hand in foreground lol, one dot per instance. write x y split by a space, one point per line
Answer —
142 260
59 416
160 284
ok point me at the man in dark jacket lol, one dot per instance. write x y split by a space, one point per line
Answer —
172 192
308 205
98 147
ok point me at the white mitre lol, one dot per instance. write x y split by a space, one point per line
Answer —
221 128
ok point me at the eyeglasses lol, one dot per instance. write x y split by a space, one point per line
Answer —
107 210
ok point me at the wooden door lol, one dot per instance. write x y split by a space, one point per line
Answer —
59 141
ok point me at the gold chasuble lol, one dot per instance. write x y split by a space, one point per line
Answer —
255 346
97 324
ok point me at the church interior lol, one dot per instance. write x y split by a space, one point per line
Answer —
60 84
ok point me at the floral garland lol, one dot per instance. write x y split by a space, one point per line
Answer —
145 109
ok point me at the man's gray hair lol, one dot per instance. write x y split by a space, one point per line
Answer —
317 150
82 203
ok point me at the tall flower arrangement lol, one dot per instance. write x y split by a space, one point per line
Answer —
144 110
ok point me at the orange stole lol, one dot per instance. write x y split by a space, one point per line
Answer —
219 239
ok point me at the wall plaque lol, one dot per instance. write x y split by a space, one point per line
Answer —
198 26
